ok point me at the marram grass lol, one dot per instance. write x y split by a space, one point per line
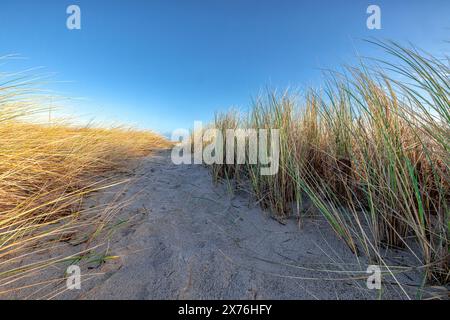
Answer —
47 171
370 150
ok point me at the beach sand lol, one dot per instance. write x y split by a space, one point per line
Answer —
184 238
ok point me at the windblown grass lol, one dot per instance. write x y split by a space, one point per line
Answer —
46 173
370 150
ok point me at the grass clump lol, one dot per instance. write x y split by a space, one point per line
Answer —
46 173
370 150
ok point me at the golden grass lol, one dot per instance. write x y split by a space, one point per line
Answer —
47 171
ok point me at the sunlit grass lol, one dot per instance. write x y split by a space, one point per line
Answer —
46 173
370 150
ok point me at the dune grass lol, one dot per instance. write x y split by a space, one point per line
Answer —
370 149
46 173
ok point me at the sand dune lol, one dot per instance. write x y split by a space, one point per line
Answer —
184 238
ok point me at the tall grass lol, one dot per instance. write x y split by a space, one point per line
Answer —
370 150
46 173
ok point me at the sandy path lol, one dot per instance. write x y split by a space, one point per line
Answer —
192 240
185 238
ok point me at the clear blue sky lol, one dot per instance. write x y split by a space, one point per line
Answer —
162 64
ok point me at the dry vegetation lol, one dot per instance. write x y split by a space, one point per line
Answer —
47 171
370 150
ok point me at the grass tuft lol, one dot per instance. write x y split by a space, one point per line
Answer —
370 150
46 173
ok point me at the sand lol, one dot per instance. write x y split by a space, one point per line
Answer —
184 238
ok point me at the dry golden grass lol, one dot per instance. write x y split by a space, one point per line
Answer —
47 171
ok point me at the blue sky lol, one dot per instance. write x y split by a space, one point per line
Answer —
161 64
